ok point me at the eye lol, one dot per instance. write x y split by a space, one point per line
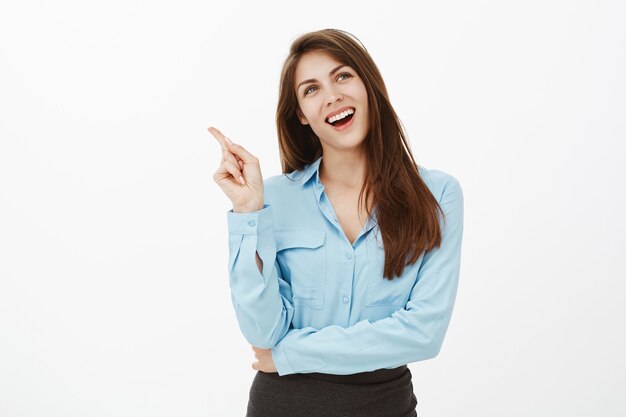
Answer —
307 90
345 73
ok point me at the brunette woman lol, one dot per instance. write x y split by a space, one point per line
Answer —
344 268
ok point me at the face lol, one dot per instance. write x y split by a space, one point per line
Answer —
325 87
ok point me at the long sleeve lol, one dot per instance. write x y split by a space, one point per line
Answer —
411 334
262 301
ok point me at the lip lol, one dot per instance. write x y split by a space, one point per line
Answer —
338 111
346 126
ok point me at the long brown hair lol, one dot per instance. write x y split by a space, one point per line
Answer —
406 209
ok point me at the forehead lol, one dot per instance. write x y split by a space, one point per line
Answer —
315 64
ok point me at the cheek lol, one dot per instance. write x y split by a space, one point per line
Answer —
308 111
363 95
364 107
365 118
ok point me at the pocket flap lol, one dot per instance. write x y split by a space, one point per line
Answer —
303 237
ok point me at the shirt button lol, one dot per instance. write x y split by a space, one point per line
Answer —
349 255
345 300
251 223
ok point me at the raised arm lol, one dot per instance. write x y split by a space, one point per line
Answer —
262 299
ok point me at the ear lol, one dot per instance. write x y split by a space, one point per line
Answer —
303 119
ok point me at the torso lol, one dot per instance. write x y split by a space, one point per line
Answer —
345 204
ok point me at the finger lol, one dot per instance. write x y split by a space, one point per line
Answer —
225 143
242 153
223 140
227 170
232 170
228 156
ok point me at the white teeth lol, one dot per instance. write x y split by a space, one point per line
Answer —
340 115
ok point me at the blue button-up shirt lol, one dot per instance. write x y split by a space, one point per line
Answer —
321 303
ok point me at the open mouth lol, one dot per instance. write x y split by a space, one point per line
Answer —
342 118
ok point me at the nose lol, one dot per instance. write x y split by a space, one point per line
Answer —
333 95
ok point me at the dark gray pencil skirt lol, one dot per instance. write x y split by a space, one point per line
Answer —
384 392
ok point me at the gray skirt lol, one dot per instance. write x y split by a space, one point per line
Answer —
384 392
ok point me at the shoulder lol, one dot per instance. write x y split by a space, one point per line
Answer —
440 183
282 188
291 202
281 181
273 181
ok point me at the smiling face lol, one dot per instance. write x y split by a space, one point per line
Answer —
326 91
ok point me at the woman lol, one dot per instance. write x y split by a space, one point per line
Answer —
356 248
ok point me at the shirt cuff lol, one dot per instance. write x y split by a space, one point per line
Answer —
280 361
250 223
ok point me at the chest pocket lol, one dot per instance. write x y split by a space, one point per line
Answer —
301 253
381 291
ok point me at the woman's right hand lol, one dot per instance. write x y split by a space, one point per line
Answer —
237 162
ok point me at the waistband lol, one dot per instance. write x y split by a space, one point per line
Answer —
372 377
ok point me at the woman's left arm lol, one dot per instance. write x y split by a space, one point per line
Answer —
411 334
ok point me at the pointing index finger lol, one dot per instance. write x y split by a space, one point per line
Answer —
220 137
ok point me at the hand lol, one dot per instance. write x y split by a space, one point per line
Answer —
236 162
265 362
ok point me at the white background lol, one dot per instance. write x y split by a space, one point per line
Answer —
114 297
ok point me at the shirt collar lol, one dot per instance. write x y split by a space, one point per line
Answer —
312 171
309 171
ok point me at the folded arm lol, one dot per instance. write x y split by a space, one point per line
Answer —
411 334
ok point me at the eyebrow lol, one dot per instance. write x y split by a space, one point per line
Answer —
312 80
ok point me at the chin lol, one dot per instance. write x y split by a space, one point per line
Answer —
348 143
343 141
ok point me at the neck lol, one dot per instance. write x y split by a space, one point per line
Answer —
346 170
